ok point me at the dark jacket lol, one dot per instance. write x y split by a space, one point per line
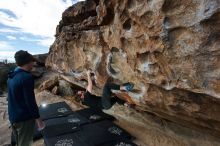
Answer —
21 99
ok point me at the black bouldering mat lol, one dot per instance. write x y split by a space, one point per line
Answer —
57 130
120 143
94 134
102 132
66 140
73 118
94 115
63 125
54 110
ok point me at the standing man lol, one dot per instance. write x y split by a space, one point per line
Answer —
22 108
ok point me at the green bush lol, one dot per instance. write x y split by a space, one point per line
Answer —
4 75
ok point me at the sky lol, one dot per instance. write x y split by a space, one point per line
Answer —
29 25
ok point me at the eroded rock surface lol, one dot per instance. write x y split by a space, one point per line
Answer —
170 50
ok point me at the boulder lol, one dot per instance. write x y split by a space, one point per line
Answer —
168 48
49 84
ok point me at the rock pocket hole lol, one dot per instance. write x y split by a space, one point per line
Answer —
131 3
127 24
110 69
114 49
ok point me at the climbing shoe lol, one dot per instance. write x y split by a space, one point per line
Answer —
128 86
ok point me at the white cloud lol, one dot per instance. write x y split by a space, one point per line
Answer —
6 51
11 37
7 30
5 46
47 41
38 17
5 18
27 39
9 55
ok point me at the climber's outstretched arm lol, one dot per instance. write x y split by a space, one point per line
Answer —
89 87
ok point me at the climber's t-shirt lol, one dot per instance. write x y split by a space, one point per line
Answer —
92 101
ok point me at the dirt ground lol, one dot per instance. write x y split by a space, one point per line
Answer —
4 123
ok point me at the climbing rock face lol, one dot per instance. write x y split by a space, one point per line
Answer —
170 50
